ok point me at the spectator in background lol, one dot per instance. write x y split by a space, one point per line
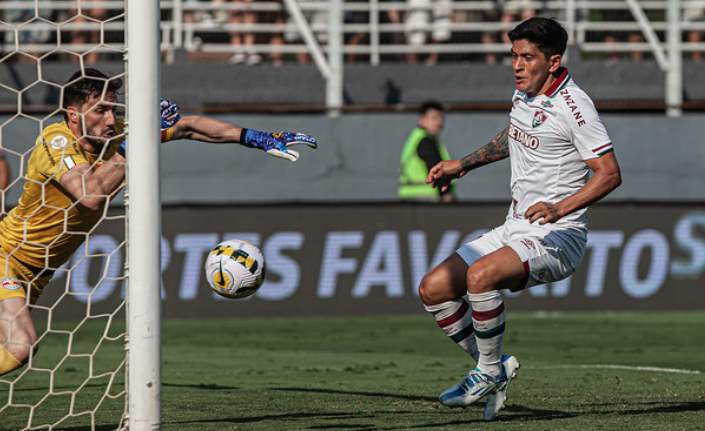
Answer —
277 39
27 35
612 56
620 15
357 38
514 13
615 56
318 20
91 17
392 16
420 15
489 37
508 13
242 42
421 152
694 14
636 37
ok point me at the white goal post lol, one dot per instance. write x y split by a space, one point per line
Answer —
144 207
96 361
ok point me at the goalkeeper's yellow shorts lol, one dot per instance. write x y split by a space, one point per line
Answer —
17 278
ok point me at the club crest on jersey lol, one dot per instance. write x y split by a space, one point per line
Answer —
11 284
539 118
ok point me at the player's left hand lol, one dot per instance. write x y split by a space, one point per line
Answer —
170 113
277 144
544 211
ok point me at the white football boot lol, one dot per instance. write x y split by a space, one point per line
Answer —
477 384
471 388
495 401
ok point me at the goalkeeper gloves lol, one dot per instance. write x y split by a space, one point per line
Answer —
170 114
277 144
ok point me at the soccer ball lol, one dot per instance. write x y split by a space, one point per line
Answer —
235 268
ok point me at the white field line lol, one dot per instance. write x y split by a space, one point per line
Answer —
625 367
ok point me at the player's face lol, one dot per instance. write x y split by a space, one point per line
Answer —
432 121
531 67
99 117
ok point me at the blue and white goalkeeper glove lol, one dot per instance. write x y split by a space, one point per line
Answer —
277 143
170 113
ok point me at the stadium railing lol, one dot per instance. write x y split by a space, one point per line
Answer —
186 24
606 29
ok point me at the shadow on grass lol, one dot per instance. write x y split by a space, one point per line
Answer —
659 407
112 427
206 386
359 393
514 412
518 412
281 417
352 427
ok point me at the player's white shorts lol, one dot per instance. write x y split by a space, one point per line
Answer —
549 254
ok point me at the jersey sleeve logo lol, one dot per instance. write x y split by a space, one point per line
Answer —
69 162
573 107
58 142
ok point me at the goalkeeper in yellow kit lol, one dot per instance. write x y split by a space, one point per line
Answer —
76 166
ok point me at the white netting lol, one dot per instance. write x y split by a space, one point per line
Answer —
76 375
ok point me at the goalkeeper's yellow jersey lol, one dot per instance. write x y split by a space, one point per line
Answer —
48 224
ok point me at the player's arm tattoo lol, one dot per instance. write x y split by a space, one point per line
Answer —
496 149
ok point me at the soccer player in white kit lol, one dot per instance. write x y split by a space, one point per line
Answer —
554 139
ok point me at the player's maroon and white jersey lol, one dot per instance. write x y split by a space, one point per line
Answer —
550 137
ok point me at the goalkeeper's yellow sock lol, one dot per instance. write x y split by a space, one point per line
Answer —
8 362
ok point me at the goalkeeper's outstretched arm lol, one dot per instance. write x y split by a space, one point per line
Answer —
205 129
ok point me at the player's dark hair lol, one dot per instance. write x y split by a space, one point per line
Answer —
547 33
430 105
82 85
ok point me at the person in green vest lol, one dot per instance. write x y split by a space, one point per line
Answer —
421 152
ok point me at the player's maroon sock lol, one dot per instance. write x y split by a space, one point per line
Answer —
455 319
488 321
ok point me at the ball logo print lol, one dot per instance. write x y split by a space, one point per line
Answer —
235 269
222 279
240 256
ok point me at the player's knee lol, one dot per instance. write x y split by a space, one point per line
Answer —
22 344
429 289
478 279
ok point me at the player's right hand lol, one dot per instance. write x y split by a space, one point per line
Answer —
443 173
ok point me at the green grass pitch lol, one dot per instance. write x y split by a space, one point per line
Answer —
384 373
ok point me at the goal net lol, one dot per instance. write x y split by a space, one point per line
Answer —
76 373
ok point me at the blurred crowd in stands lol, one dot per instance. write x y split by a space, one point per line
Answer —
421 22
